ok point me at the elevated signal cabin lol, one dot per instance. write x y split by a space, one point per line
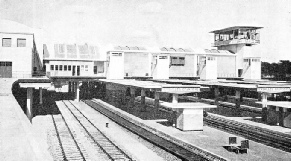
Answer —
239 40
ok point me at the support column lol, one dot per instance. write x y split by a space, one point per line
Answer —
175 98
264 107
156 103
77 91
69 87
216 94
280 115
173 119
29 103
132 97
40 95
238 98
142 99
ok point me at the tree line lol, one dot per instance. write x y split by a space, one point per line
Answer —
277 71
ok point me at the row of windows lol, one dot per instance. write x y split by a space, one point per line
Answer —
178 61
253 60
6 42
67 67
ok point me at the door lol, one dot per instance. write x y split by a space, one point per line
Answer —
73 70
5 69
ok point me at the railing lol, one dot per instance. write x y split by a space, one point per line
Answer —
235 41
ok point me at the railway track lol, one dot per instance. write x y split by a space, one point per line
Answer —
99 139
67 148
184 152
262 135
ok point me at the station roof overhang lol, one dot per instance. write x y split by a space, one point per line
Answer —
75 78
257 86
158 86
235 28
34 83
284 104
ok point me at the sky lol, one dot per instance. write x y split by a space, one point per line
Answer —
155 23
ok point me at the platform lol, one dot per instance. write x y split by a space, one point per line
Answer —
18 140
210 139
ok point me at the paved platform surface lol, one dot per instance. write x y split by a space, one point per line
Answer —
18 140
212 140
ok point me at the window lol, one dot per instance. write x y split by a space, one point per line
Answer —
255 60
86 67
65 67
52 67
211 58
69 68
95 69
21 42
82 67
6 42
178 61
57 67
61 67
246 60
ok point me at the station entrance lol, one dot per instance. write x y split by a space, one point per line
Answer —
5 69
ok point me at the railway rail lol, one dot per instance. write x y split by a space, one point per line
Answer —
185 152
268 137
97 137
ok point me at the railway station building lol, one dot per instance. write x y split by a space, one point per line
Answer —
19 55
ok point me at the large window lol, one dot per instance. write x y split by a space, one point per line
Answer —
21 42
69 68
65 67
57 67
52 67
178 61
61 67
6 42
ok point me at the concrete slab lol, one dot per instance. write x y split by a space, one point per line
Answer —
210 139
17 137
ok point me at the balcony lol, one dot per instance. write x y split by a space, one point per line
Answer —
235 41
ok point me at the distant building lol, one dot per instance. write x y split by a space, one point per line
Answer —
19 57
73 60
239 40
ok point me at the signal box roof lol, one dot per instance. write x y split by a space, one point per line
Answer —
235 28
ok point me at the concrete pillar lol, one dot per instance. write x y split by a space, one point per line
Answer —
175 98
264 98
238 98
142 99
156 103
69 87
132 97
142 96
29 103
216 94
77 92
40 95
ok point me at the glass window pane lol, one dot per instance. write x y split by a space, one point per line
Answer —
6 42
21 42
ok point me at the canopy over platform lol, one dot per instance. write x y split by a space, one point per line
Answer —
158 86
235 28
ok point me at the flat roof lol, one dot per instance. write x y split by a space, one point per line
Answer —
284 104
158 86
252 85
235 28
189 105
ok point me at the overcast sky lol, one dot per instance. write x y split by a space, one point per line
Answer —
155 23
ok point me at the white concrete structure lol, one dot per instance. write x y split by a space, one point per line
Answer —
19 56
73 60
239 40
115 65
